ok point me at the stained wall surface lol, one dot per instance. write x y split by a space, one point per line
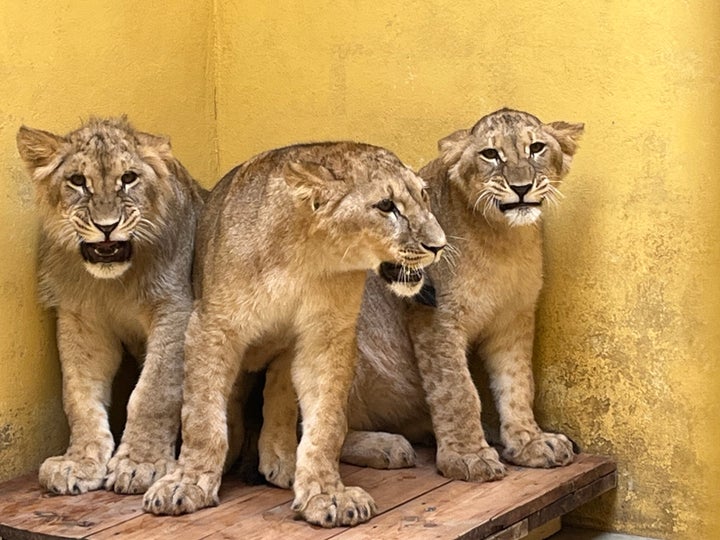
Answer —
628 338
60 62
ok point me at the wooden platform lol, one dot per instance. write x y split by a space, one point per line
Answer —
414 503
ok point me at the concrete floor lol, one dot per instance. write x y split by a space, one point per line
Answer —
572 533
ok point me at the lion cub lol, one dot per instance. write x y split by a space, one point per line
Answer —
487 189
118 219
283 249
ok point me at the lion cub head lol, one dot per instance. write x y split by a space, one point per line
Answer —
509 163
104 190
371 207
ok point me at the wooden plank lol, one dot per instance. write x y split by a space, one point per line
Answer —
574 499
237 502
389 488
24 506
415 503
466 510
201 524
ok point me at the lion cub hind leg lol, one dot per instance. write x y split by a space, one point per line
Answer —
508 358
378 450
278 438
90 358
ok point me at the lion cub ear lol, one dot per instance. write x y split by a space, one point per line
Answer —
568 136
40 150
452 146
155 150
158 143
310 182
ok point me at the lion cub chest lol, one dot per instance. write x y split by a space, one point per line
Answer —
493 276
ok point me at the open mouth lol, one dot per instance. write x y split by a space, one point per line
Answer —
106 252
516 205
393 273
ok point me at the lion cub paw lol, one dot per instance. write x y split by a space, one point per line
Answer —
377 450
71 477
126 475
336 508
278 468
545 450
182 493
483 466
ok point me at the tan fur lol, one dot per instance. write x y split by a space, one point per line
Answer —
283 250
142 304
415 381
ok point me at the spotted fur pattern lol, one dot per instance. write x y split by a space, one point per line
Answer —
488 187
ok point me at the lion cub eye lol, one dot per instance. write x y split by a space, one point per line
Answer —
490 153
77 180
128 178
537 147
386 205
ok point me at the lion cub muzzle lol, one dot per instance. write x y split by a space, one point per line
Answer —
392 272
106 252
520 191
407 278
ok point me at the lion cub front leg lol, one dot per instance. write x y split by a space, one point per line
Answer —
507 351
322 373
212 364
462 451
89 357
147 449
278 438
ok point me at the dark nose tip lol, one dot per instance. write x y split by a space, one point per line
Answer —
521 190
434 249
107 229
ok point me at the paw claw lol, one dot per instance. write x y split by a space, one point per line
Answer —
378 450
64 476
128 475
181 493
545 450
482 466
346 506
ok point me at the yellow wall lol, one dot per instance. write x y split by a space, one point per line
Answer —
60 62
629 339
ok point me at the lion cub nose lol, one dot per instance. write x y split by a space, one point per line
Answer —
521 190
433 249
106 229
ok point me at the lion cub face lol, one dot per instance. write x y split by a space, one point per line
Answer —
509 163
378 211
96 186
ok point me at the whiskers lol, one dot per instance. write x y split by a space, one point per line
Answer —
451 254
549 191
490 195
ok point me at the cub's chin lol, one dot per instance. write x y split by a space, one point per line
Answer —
401 280
518 215
106 260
